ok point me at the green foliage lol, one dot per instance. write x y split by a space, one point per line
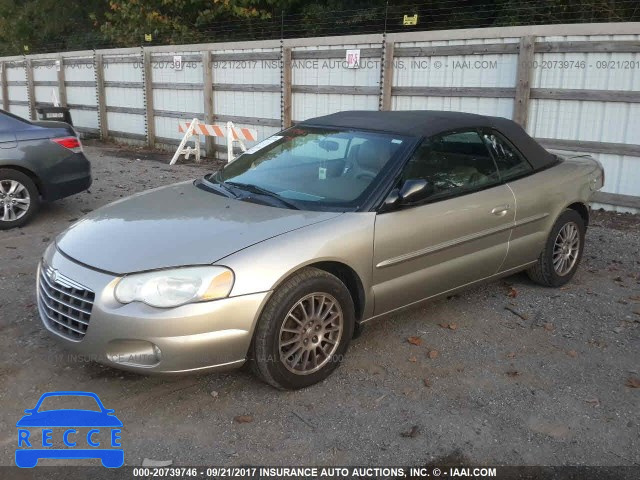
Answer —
65 25
58 25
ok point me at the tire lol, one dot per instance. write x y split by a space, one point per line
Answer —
12 213
544 272
302 294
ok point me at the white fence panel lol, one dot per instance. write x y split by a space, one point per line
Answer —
80 86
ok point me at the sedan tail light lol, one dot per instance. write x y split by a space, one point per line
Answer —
70 143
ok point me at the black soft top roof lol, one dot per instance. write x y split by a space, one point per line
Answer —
426 123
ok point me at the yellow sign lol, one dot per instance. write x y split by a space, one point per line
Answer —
410 19
147 37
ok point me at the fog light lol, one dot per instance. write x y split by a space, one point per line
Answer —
135 353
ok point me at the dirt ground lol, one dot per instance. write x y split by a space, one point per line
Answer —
507 373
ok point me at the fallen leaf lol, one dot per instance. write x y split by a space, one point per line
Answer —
243 419
449 326
511 355
513 373
636 312
635 298
572 353
427 382
432 354
633 382
413 433
513 293
548 327
593 401
415 341
413 359
214 394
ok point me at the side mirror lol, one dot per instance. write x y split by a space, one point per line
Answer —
414 190
411 191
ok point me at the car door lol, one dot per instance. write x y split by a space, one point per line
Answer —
535 197
456 235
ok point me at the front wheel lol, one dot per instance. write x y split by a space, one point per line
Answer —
562 253
304 330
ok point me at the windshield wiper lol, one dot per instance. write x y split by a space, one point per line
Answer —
263 191
219 185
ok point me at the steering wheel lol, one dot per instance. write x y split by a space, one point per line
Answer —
365 176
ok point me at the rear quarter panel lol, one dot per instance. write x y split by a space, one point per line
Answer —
542 197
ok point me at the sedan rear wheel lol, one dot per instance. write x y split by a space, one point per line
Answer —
303 331
18 199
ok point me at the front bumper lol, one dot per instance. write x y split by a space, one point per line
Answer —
197 337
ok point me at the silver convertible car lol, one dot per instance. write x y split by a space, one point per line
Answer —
279 258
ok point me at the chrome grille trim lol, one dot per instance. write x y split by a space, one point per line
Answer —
46 303
65 305
52 287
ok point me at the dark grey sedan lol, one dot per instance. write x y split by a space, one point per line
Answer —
39 161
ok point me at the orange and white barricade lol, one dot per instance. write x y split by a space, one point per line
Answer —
195 128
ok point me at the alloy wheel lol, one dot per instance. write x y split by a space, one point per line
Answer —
310 333
566 249
14 200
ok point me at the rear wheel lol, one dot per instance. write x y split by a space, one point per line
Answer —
561 256
18 199
303 331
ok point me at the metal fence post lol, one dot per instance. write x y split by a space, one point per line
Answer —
386 77
28 68
147 73
101 101
62 88
207 82
523 81
4 86
286 87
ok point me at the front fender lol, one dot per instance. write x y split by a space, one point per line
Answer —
347 239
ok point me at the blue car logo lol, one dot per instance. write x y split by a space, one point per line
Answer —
83 433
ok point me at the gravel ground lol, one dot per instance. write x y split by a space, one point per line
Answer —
507 373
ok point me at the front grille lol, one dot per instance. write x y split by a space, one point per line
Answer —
65 306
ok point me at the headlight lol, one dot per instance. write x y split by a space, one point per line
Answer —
175 287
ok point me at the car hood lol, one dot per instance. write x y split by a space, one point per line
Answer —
69 418
174 226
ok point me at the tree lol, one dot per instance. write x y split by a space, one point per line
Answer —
48 25
178 21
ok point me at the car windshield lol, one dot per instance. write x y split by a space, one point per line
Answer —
69 402
314 168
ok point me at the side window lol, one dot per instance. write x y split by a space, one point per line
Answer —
510 162
452 164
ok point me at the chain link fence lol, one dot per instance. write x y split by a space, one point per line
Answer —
320 20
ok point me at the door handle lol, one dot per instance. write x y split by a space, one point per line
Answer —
501 211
